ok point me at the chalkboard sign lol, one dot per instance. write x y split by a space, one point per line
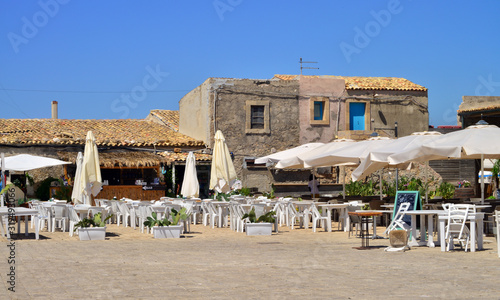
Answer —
413 197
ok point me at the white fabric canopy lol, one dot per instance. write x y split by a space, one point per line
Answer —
91 181
26 162
378 159
286 154
222 172
351 154
297 161
190 186
474 142
77 194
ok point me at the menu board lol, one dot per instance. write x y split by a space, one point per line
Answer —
413 197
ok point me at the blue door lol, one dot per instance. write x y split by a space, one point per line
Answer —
356 116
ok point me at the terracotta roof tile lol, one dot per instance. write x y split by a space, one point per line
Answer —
124 132
181 156
472 109
169 118
366 83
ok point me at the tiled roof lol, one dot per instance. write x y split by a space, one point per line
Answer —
478 109
123 132
120 158
181 156
169 118
366 83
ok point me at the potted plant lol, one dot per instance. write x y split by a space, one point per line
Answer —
166 228
90 229
259 226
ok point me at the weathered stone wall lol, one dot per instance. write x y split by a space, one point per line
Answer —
194 113
230 118
408 108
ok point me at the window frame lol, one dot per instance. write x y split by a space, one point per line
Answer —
248 121
326 110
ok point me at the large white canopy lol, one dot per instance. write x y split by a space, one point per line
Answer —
77 194
378 158
26 162
349 154
286 154
297 161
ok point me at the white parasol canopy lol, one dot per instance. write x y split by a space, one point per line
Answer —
287 154
222 173
297 161
26 162
190 186
91 181
351 154
474 142
378 159
77 194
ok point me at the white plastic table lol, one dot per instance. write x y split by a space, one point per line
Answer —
476 223
18 212
424 241
342 208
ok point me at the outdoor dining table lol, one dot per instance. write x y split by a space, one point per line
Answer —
426 236
326 210
476 225
365 237
222 207
18 212
374 235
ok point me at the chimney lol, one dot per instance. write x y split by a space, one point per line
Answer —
54 109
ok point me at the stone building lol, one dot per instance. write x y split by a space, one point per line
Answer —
261 116
474 108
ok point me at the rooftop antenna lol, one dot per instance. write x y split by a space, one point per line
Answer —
306 62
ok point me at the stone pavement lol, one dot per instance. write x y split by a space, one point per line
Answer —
221 264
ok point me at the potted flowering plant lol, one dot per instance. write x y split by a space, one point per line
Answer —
464 184
94 228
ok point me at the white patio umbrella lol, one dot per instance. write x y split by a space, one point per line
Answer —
350 154
91 181
77 194
297 161
26 162
222 172
286 154
474 142
378 158
190 186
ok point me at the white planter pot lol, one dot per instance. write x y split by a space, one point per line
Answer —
259 228
162 232
92 233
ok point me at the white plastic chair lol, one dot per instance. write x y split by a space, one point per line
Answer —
316 218
124 214
59 216
456 227
294 216
73 219
397 222
44 216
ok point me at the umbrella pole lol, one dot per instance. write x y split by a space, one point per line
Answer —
3 178
427 182
482 178
343 182
380 176
397 179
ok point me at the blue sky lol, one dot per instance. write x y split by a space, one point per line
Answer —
120 59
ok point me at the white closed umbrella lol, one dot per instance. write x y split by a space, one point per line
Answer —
91 181
473 142
297 161
77 194
222 172
190 186
287 154
379 158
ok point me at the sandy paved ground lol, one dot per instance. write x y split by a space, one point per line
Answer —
222 264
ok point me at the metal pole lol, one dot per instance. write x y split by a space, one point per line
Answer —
380 176
482 178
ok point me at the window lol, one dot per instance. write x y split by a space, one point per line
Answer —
320 109
257 117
